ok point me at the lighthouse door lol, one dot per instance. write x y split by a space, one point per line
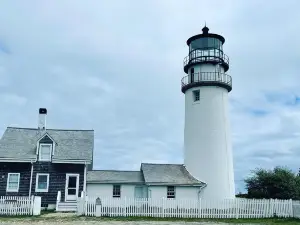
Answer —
192 75
218 72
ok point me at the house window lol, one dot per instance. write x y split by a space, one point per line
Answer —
170 192
45 152
116 191
196 95
13 182
42 182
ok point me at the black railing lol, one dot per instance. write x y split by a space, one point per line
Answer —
206 78
206 55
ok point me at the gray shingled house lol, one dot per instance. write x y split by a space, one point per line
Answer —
57 164
45 162
151 181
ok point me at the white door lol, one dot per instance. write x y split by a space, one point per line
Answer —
139 192
218 73
72 187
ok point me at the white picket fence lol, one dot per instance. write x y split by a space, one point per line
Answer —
296 209
188 208
16 205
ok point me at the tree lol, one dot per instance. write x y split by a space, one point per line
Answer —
279 183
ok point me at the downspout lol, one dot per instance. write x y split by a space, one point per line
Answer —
31 174
149 191
200 190
84 180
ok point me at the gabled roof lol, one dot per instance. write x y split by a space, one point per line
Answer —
44 134
168 174
114 176
20 144
150 174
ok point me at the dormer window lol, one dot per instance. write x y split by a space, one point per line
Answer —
45 148
45 152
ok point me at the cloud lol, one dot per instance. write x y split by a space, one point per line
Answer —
4 48
12 99
116 67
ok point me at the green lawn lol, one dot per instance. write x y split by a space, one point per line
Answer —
278 221
270 221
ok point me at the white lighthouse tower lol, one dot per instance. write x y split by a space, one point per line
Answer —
207 137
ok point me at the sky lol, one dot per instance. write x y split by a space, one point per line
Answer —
116 67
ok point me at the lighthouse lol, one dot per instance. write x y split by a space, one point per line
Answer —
207 137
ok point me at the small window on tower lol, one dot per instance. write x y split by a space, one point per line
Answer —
196 95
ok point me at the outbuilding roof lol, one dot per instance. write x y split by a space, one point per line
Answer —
168 174
114 176
150 174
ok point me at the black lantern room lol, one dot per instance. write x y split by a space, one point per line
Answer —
206 48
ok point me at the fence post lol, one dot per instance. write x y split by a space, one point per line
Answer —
37 200
80 205
237 208
271 208
291 208
199 208
125 207
163 207
31 199
275 214
86 199
58 198
78 212
98 207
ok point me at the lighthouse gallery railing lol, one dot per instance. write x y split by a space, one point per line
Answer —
206 77
203 55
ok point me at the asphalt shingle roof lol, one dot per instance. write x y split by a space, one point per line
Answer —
172 174
114 176
152 174
21 143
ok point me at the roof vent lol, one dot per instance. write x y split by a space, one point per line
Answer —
205 30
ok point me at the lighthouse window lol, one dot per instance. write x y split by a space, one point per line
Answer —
206 43
196 95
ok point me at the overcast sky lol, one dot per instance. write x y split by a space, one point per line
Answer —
115 67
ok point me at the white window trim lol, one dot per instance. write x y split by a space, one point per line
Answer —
170 196
38 143
36 182
50 153
116 196
7 184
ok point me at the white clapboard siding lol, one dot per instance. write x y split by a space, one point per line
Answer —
16 205
185 208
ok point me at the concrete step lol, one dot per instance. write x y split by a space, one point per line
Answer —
66 207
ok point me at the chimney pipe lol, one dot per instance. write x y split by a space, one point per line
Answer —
42 118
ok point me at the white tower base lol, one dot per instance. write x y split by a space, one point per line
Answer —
208 154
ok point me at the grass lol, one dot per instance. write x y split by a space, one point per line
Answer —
267 221
290 221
